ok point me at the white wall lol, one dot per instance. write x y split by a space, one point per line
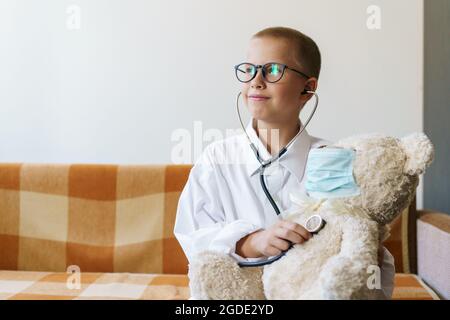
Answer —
115 90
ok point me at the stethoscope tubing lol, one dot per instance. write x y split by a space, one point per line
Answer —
264 165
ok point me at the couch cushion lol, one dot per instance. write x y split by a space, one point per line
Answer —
46 285
411 287
24 285
433 243
401 240
101 218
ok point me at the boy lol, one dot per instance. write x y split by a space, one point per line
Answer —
222 206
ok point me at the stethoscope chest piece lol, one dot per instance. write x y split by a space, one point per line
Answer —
314 223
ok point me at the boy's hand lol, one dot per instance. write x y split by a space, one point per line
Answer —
272 241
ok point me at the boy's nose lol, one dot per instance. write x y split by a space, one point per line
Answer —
258 80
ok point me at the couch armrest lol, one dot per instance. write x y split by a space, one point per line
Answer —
433 250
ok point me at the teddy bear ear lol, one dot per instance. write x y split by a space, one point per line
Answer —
419 151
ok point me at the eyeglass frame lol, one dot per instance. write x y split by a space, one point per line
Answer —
261 66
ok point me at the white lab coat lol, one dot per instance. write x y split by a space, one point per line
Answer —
223 201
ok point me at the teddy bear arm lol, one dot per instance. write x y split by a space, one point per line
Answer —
344 276
216 276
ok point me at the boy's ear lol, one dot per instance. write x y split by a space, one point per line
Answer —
310 85
419 152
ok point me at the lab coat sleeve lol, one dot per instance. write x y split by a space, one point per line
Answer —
200 222
387 275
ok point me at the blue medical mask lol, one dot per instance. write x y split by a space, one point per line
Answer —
329 173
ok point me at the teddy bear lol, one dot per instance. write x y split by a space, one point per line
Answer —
336 262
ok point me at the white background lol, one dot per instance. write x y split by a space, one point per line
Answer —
115 90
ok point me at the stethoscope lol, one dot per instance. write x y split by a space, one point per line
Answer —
314 223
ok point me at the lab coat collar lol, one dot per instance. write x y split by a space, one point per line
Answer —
294 159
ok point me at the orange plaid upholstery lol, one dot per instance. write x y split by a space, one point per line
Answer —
411 287
24 285
398 241
102 218
115 222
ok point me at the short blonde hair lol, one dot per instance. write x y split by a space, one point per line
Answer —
308 53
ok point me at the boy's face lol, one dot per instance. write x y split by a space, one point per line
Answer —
284 97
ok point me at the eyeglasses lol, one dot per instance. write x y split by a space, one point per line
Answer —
271 72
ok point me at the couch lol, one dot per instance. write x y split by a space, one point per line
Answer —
99 231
